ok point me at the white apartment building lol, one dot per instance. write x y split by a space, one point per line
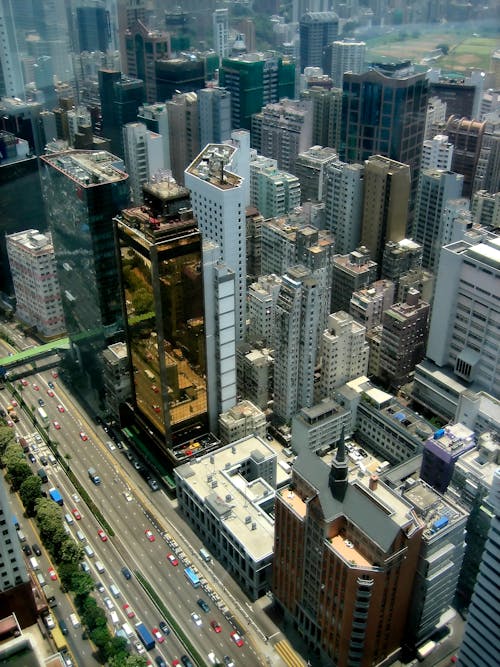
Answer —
220 26
368 305
240 421
272 191
320 427
218 200
344 204
155 117
348 55
437 153
465 318
296 347
436 116
344 353
219 287
143 151
215 115
33 268
78 117
261 304
310 168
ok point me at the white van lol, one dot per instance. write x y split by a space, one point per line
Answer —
69 519
80 536
114 618
115 591
52 459
127 630
99 566
89 551
34 563
21 536
75 621
109 603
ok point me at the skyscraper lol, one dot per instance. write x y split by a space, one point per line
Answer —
347 55
317 31
83 191
384 114
215 115
11 77
385 204
254 80
218 198
272 191
344 204
220 26
184 132
144 47
94 28
120 100
160 264
481 638
466 136
143 152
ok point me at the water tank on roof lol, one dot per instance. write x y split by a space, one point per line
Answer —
438 434
440 523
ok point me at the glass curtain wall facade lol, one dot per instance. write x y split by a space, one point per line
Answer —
162 284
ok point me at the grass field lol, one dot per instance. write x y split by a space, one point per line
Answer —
465 50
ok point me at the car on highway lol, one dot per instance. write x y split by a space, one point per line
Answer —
228 662
164 627
237 639
173 559
50 393
196 619
148 533
126 573
157 635
27 550
36 549
160 661
36 387
51 385
41 402
99 587
156 408
175 662
102 535
76 514
84 436
139 647
215 626
24 382
55 374
109 603
128 610
32 457
57 425
203 605
60 407
52 574
186 661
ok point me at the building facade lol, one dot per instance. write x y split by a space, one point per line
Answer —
143 151
344 204
317 30
273 192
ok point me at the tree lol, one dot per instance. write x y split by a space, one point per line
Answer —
18 471
93 615
30 492
142 301
70 552
129 661
6 437
444 48
49 520
81 584
12 453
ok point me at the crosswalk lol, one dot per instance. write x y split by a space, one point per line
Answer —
291 658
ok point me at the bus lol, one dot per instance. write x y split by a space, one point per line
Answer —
42 417
59 640
192 577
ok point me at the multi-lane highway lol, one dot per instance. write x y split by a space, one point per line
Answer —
131 509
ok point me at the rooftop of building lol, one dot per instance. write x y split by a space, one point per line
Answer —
317 154
453 438
210 165
216 479
32 240
374 292
355 262
436 512
88 168
482 461
320 411
118 350
242 410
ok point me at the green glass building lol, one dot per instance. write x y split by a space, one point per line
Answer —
254 80
160 256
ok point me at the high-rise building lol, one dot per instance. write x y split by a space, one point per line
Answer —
480 641
326 115
310 167
435 117
404 336
384 114
399 258
282 130
94 28
215 115
38 297
179 75
437 153
184 132
486 208
241 421
143 151
16 588
351 272
317 30
272 191
386 197
83 191
218 198
344 562
463 332
347 55
441 453
11 76
155 118
144 47
435 189
369 303
165 330
344 204
296 350
344 353
466 136
220 26
254 80
262 297
120 101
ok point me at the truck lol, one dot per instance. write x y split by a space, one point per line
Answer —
94 476
145 636
12 413
56 496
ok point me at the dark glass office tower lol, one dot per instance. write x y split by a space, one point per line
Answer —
94 29
160 250
383 113
121 98
83 192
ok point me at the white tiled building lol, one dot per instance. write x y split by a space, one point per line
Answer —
344 204
143 157
272 191
33 268
242 420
